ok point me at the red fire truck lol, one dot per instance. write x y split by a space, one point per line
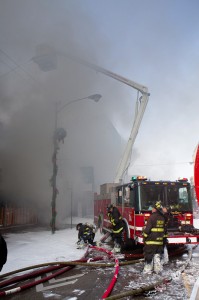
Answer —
136 198
135 201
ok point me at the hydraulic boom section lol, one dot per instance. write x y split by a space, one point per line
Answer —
141 103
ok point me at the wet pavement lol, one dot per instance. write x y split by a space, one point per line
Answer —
91 282
87 283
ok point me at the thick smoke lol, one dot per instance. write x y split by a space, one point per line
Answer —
150 43
28 98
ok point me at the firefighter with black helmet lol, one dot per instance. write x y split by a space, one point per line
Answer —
86 234
117 226
153 234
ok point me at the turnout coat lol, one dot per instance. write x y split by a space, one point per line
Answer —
154 234
116 221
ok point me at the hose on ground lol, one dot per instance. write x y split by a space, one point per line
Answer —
26 276
42 265
31 284
70 264
139 290
114 278
134 257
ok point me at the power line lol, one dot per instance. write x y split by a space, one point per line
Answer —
16 64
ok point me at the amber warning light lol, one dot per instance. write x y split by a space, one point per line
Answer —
134 178
182 179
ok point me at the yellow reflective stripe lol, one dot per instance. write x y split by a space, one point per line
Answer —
153 243
144 234
112 221
117 231
160 222
157 229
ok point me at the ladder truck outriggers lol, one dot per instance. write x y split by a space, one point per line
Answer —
136 198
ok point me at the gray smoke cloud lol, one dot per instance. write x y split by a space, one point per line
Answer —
28 98
149 42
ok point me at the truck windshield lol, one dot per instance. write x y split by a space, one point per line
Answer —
175 196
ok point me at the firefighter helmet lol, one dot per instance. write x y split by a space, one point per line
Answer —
109 207
78 226
158 205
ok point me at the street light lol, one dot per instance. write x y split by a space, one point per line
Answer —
59 135
46 59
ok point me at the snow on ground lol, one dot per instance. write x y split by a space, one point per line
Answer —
36 247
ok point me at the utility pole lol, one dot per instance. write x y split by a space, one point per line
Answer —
54 176
59 135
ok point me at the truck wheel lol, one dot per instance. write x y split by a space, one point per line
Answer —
128 242
125 235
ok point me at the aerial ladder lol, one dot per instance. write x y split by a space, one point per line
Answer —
141 103
46 58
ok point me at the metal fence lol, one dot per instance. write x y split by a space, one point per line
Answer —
10 216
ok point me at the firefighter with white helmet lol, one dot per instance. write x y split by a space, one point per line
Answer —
153 234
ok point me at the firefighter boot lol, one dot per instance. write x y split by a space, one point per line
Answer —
117 248
165 256
80 244
157 264
98 243
148 267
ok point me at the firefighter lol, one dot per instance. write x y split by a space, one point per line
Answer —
117 226
153 234
86 234
3 252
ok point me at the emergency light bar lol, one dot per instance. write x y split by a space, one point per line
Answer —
182 179
135 178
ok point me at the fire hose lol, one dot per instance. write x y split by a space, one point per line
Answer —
83 261
153 286
114 279
29 285
139 290
58 265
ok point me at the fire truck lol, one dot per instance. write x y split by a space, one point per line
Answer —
135 201
136 198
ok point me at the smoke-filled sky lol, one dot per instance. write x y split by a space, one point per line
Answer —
154 43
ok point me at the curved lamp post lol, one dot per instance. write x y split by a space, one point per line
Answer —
59 135
46 59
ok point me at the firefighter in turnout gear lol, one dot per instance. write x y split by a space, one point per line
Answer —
86 234
153 234
117 227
